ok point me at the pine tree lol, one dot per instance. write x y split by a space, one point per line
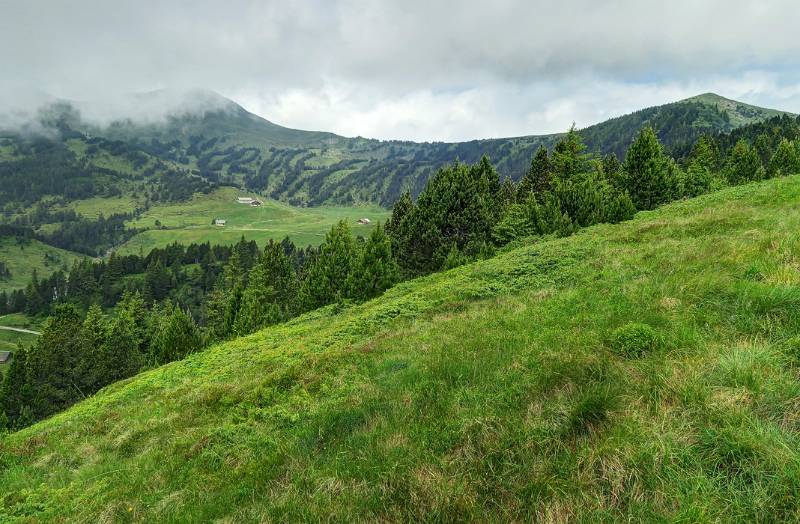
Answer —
158 280
397 228
271 292
699 177
453 207
51 363
515 223
16 392
128 340
94 334
224 302
568 157
327 277
612 170
538 179
176 336
647 177
35 303
785 161
744 163
507 196
376 269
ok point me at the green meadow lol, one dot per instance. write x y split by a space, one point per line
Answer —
645 371
23 256
192 221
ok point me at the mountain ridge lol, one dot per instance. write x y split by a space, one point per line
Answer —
229 145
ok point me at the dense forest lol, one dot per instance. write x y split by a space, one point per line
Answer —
109 320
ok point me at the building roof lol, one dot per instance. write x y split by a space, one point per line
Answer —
5 356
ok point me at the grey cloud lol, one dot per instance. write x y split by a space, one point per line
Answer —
379 57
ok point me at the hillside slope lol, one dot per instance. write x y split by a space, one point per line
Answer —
498 388
220 142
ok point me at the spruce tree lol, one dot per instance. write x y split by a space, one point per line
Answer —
16 392
568 157
398 228
271 292
507 195
326 279
94 335
128 339
744 163
699 176
53 363
176 337
647 177
785 161
538 179
376 269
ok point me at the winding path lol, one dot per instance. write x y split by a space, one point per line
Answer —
20 330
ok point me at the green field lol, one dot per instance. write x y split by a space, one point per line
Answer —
11 340
645 371
22 257
93 207
191 222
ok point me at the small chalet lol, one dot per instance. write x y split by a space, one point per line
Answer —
255 203
245 200
363 221
5 357
220 222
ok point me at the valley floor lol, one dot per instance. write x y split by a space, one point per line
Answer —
494 391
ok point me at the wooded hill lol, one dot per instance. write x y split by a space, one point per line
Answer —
225 144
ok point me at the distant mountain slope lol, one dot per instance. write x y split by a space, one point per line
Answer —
217 141
523 386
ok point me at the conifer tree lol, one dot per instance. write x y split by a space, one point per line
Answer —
538 179
699 176
453 207
507 195
326 280
16 392
271 292
647 177
744 164
568 157
128 339
376 269
398 228
785 161
34 301
515 223
94 335
176 336
51 363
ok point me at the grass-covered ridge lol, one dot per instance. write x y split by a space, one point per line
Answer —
643 370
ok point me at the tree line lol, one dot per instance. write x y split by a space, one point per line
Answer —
464 213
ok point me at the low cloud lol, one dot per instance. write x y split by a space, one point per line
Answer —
401 69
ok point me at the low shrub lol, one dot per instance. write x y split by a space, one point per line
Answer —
634 339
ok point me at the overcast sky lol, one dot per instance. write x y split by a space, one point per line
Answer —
421 70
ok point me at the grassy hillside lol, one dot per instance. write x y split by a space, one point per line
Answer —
23 256
515 387
191 221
